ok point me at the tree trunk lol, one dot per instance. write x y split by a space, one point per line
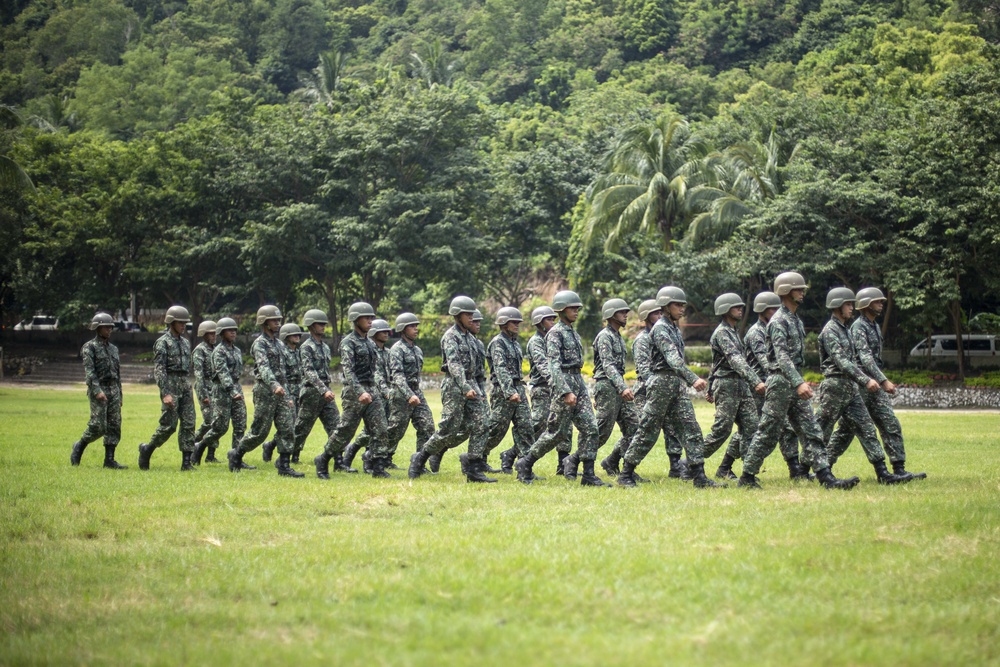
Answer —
330 292
955 311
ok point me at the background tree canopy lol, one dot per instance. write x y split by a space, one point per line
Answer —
228 153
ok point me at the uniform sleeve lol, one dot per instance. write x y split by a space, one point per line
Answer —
757 346
729 345
498 366
348 360
310 376
220 369
778 335
865 356
397 372
553 353
643 362
201 370
382 373
536 354
264 371
605 345
160 353
93 382
455 367
840 355
675 360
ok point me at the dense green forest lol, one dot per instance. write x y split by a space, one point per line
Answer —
228 153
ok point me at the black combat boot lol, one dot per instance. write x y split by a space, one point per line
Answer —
610 463
589 477
686 473
109 459
267 450
145 453
186 464
625 477
748 481
798 472
417 461
284 466
77 453
377 466
570 466
434 462
725 470
366 462
885 477
827 479
700 479
637 477
490 470
390 464
350 452
295 457
340 466
561 459
507 459
525 474
235 457
211 456
475 469
246 466
899 468
677 466
199 449
322 463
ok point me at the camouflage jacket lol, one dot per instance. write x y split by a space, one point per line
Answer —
642 353
755 342
667 351
227 368
837 356
101 364
729 357
505 357
406 362
201 358
358 359
171 357
867 338
382 371
564 350
539 375
293 366
609 358
315 357
269 361
459 358
786 338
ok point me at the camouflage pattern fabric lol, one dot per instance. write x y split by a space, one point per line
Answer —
406 363
314 356
505 357
103 371
171 367
731 385
541 391
268 407
227 368
293 373
641 353
611 408
359 359
201 358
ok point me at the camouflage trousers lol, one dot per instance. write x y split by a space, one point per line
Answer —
541 398
670 440
503 413
227 409
181 411
562 418
207 416
402 414
364 440
461 418
352 414
312 406
788 443
839 399
667 402
733 404
612 409
269 408
782 404
105 417
880 410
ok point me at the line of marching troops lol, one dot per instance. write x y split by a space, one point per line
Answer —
756 385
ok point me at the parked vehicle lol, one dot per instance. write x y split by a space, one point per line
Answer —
973 345
38 323
123 325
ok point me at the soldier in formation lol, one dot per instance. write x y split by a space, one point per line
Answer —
229 407
508 397
378 334
406 363
201 360
104 389
316 399
289 336
540 380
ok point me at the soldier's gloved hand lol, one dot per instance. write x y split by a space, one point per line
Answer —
628 395
514 398
471 394
872 385
570 399
889 387
280 391
328 396
804 391
365 398
168 401
700 384
101 396
413 400
760 388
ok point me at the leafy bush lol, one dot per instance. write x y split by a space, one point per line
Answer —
698 355
916 377
432 364
630 376
990 379
700 371
143 357
812 377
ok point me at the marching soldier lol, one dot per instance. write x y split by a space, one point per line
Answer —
289 335
540 380
508 398
378 334
104 389
227 393
406 362
316 400
201 358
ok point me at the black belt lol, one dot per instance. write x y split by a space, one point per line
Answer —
570 369
183 373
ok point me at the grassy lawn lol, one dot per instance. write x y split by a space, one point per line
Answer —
167 567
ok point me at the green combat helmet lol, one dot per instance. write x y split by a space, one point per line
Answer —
101 320
226 323
670 294
265 313
647 308
766 300
461 304
867 295
787 281
837 297
207 327
477 316
177 314
540 313
378 326
508 314
404 320
290 329
612 306
566 299
726 302
360 309
313 316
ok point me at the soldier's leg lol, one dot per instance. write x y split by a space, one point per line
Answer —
377 427
500 413
681 412
607 401
350 418
558 422
746 420
650 421
239 417
169 416
186 412
727 403
220 424
450 426
309 407
523 429
423 422
880 408
540 399
400 415
856 415
97 427
788 443
803 420
207 418
773 418
840 440
113 419
586 425
284 425
264 405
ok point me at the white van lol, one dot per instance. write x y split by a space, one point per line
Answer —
974 345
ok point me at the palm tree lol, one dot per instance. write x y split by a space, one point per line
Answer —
323 82
12 176
436 67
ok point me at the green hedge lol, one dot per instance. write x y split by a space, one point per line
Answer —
990 379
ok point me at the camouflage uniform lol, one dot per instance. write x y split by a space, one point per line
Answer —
384 390
666 397
268 407
642 354
785 358
838 394
227 395
540 380
564 352
359 359
406 362
100 362
171 367
505 358
201 358
731 385
315 357
293 375
462 360
609 371
867 337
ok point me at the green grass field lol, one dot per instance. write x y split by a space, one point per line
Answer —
164 567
